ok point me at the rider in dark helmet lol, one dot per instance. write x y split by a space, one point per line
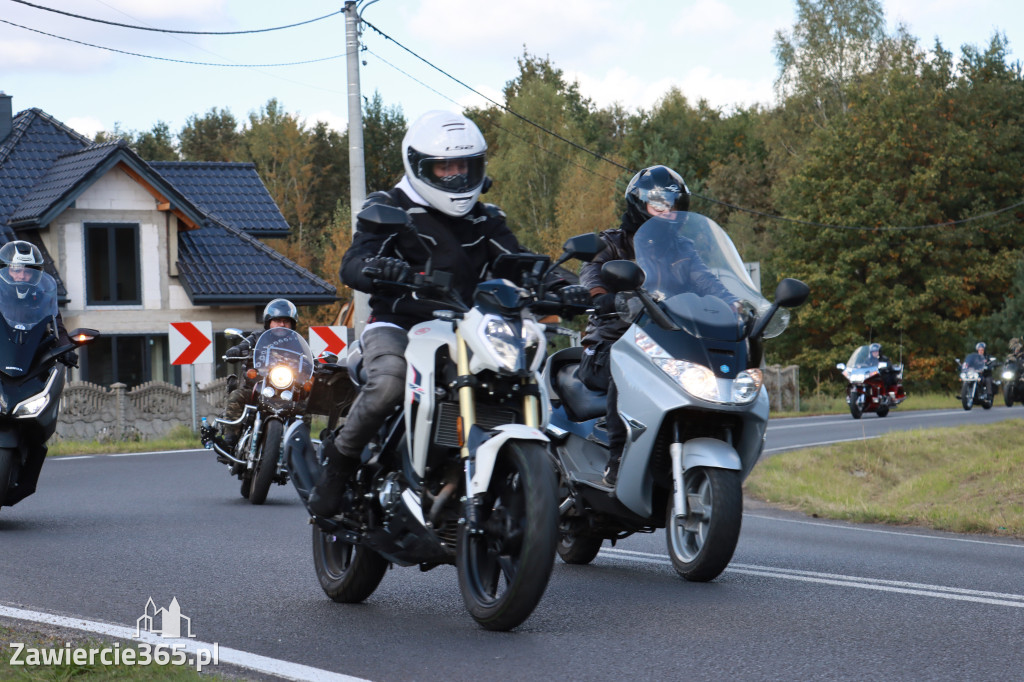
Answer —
654 192
21 265
887 373
278 313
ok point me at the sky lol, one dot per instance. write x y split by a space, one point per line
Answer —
628 52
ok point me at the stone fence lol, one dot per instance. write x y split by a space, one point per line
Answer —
783 386
92 412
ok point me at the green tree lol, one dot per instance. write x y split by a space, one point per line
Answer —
383 130
156 144
213 136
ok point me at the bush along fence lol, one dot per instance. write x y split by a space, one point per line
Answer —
92 412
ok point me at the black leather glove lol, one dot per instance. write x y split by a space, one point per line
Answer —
604 304
390 269
240 350
574 294
70 358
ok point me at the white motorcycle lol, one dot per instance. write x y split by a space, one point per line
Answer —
461 474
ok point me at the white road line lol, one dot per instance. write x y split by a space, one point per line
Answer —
60 458
780 425
814 445
886 532
901 587
243 659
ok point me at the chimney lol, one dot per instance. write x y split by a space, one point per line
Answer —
6 116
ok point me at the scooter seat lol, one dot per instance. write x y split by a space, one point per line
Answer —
581 403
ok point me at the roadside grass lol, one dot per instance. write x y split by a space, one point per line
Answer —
820 403
963 479
34 639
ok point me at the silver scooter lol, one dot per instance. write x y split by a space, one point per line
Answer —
690 394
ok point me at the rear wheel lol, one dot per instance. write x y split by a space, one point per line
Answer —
266 466
575 547
883 410
701 544
967 395
347 573
7 459
504 570
855 408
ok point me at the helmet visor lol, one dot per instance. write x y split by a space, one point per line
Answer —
454 175
662 200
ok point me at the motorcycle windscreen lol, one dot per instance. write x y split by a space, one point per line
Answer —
691 264
975 361
283 346
25 303
862 358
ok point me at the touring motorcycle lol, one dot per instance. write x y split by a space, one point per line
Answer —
282 368
459 474
976 375
31 380
1013 374
867 391
690 394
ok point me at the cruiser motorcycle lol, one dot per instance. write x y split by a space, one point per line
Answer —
976 375
867 392
282 368
31 380
690 394
1013 375
460 474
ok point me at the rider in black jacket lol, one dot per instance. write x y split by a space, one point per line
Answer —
444 159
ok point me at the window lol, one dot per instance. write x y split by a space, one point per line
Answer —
112 264
130 359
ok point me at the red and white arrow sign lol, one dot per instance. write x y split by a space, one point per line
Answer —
190 342
329 340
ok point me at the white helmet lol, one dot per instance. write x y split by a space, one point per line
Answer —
433 142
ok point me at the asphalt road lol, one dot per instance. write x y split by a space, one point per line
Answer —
803 598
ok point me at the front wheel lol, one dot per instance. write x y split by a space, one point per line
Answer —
347 573
7 459
967 395
266 465
701 543
1008 394
855 407
504 569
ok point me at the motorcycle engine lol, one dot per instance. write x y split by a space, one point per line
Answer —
389 492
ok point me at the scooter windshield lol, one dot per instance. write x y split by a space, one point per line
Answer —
684 253
26 303
283 346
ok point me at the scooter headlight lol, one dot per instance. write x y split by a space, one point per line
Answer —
32 407
747 385
281 377
698 380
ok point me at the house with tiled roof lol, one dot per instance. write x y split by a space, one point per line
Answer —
135 246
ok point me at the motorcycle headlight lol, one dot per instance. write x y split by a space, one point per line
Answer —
501 343
32 407
969 375
281 377
1008 374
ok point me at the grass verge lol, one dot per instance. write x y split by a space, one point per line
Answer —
964 479
816 404
180 437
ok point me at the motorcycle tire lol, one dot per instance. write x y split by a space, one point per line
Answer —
576 547
1008 395
504 571
347 573
702 543
967 397
7 460
246 486
883 411
266 466
986 404
855 410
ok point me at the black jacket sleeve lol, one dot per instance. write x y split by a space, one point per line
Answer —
366 245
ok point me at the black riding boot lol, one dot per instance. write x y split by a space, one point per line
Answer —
325 498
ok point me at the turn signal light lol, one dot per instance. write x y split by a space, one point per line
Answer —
252 374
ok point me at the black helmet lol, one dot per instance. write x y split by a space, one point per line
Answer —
280 307
657 185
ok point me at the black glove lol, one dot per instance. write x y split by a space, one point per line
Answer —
574 294
70 358
390 269
240 350
604 304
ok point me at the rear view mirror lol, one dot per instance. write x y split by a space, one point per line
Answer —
791 292
622 275
841 366
584 247
381 218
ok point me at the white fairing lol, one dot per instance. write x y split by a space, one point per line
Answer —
487 453
424 341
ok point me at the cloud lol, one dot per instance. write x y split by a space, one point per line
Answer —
334 121
87 126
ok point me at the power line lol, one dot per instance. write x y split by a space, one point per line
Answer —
166 30
168 59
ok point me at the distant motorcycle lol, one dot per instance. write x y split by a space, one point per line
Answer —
31 380
867 392
1013 379
976 375
284 367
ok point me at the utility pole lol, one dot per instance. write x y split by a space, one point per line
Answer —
356 161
